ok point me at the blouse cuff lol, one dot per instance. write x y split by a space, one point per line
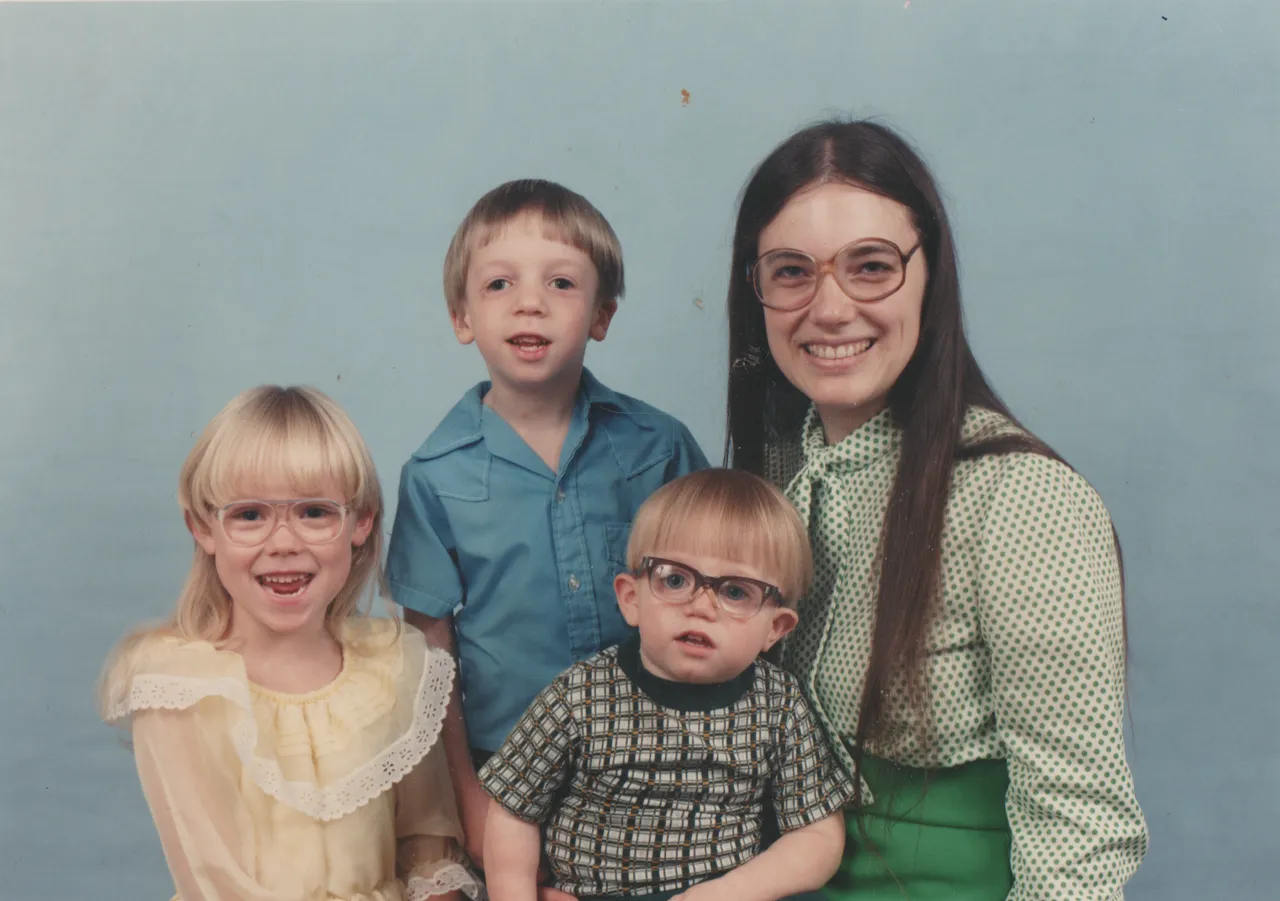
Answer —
441 877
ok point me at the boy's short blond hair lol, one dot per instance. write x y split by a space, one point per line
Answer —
567 217
726 513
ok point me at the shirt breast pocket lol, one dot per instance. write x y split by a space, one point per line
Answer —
465 480
616 535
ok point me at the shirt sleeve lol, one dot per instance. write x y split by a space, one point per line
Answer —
686 455
205 829
1052 615
807 783
429 857
535 760
422 566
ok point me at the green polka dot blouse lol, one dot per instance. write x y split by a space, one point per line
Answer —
1025 659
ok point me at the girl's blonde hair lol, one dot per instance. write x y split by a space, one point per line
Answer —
297 434
730 514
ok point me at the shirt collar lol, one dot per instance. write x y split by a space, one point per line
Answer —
464 424
598 394
869 442
683 696
590 391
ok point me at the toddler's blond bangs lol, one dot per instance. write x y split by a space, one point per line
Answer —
729 514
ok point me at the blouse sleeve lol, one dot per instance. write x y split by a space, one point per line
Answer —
1052 615
204 827
429 856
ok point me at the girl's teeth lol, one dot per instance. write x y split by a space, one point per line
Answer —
839 351
285 585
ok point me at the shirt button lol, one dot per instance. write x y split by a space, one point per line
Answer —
574 583
559 495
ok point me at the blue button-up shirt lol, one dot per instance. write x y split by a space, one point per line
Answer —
529 554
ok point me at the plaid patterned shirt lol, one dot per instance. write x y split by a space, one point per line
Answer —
646 785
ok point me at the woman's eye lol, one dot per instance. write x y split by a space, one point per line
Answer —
790 273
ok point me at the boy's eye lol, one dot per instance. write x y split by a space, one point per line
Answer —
674 580
562 284
497 284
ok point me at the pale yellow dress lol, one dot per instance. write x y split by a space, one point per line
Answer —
341 794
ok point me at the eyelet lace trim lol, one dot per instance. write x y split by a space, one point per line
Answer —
449 878
351 792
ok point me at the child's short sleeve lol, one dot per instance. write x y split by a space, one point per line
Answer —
808 783
421 560
686 455
535 760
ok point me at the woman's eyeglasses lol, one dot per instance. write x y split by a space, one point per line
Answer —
867 270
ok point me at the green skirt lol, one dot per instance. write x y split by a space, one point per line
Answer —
944 839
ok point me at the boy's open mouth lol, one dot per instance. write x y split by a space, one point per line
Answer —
286 585
695 639
528 341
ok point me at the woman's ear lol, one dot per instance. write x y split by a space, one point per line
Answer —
201 532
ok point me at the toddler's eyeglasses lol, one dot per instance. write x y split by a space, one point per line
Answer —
676 583
315 520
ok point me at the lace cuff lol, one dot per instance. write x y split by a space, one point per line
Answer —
450 877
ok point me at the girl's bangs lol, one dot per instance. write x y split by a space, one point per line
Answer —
293 450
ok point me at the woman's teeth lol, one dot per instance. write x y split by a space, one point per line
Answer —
838 351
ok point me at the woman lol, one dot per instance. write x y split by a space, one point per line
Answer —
964 641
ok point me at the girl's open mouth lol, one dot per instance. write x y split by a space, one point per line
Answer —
286 585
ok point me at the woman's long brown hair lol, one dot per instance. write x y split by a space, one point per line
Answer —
928 401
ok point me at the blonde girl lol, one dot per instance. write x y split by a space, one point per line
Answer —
285 740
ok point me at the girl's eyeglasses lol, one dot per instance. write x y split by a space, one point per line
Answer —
315 520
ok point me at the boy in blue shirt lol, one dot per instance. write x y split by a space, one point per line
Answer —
514 515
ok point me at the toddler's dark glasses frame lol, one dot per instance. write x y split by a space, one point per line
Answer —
865 289
743 608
